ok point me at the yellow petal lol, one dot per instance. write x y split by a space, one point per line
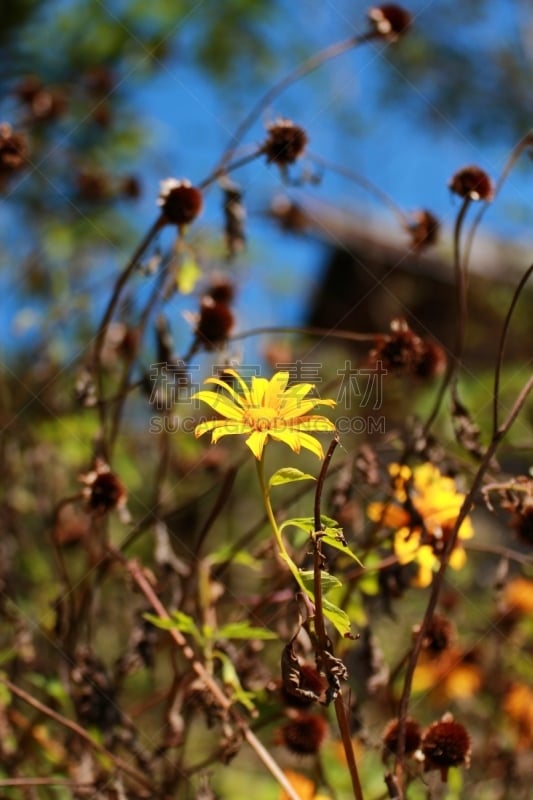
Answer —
275 391
222 405
406 544
256 442
458 558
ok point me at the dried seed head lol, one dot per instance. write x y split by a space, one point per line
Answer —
390 21
402 351
222 291
93 186
131 187
432 361
446 744
439 635
180 202
413 736
103 490
214 324
405 352
14 150
303 735
423 229
472 182
286 142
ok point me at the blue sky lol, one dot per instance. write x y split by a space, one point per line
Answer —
191 119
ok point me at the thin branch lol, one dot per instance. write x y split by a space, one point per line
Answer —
525 142
111 306
501 347
366 184
323 642
308 66
119 763
138 575
454 358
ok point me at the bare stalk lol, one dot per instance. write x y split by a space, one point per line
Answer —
138 575
324 645
119 763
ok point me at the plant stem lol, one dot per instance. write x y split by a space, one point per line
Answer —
271 518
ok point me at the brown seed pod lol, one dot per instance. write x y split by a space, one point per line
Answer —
286 142
14 150
472 182
390 20
413 737
180 201
446 744
303 735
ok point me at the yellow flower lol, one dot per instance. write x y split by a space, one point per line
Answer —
266 408
518 705
423 513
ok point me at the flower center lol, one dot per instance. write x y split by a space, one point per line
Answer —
261 418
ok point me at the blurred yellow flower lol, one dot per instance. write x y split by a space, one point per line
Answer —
518 596
518 705
423 512
265 409
303 785
452 675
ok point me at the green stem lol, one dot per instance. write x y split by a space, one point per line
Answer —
271 518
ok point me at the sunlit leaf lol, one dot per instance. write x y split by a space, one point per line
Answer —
178 621
289 475
188 275
333 537
243 630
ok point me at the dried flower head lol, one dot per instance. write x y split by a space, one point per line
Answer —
439 635
303 735
390 20
423 229
413 737
472 182
130 187
103 491
405 352
286 142
215 323
180 202
446 744
14 150
221 291
43 103
93 186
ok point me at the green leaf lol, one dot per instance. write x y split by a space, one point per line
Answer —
230 678
242 630
306 524
178 621
334 538
288 475
338 618
328 581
